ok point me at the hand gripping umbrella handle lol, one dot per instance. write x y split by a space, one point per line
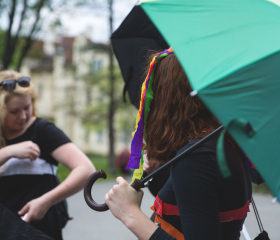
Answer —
137 184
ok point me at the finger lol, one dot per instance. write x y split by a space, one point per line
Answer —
110 193
115 187
37 150
106 197
35 153
24 210
120 180
37 147
32 156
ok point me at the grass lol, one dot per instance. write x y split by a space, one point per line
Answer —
99 161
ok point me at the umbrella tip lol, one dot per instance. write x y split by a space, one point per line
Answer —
193 93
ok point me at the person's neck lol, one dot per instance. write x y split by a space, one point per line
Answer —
13 134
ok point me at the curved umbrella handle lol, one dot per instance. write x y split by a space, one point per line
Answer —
137 184
87 191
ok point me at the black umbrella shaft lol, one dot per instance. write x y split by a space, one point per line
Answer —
137 184
183 154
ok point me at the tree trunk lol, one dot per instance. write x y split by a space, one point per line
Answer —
9 46
112 164
28 42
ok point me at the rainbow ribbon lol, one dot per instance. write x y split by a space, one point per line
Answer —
137 144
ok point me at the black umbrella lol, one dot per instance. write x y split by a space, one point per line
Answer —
13 228
132 42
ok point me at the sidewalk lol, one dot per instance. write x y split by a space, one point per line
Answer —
91 225
269 214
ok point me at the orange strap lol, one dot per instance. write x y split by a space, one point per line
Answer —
167 227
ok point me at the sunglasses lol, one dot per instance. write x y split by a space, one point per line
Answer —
10 85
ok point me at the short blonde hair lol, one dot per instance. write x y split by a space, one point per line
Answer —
5 96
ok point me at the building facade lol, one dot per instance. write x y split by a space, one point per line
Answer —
64 92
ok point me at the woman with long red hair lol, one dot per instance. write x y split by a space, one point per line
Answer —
196 202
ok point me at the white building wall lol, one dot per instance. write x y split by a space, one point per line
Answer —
62 97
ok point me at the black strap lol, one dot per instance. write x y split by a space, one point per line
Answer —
263 235
257 215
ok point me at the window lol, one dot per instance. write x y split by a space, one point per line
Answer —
96 65
100 136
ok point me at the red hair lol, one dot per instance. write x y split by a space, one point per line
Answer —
175 118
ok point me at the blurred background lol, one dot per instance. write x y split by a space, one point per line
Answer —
64 46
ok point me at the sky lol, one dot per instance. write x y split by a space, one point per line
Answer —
79 21
97 21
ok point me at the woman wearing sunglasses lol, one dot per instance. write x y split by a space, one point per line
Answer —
30 151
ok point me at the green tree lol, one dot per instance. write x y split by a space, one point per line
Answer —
108 10
25 22
95 113
28 14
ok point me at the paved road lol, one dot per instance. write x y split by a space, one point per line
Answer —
90 225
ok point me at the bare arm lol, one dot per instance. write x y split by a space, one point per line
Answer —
81 168
124 202
27 149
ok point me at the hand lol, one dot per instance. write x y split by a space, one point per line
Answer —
27 149
36 210
150 165
123 200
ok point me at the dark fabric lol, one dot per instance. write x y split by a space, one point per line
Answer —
17 190
158 181
46 135
159 234
198 188
132 42
255 176
15 195
13 228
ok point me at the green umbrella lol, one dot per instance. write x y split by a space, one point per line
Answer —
230 51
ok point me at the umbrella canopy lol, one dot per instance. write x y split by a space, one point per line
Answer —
131 43
230 51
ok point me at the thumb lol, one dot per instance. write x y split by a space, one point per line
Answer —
24 210
120 180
